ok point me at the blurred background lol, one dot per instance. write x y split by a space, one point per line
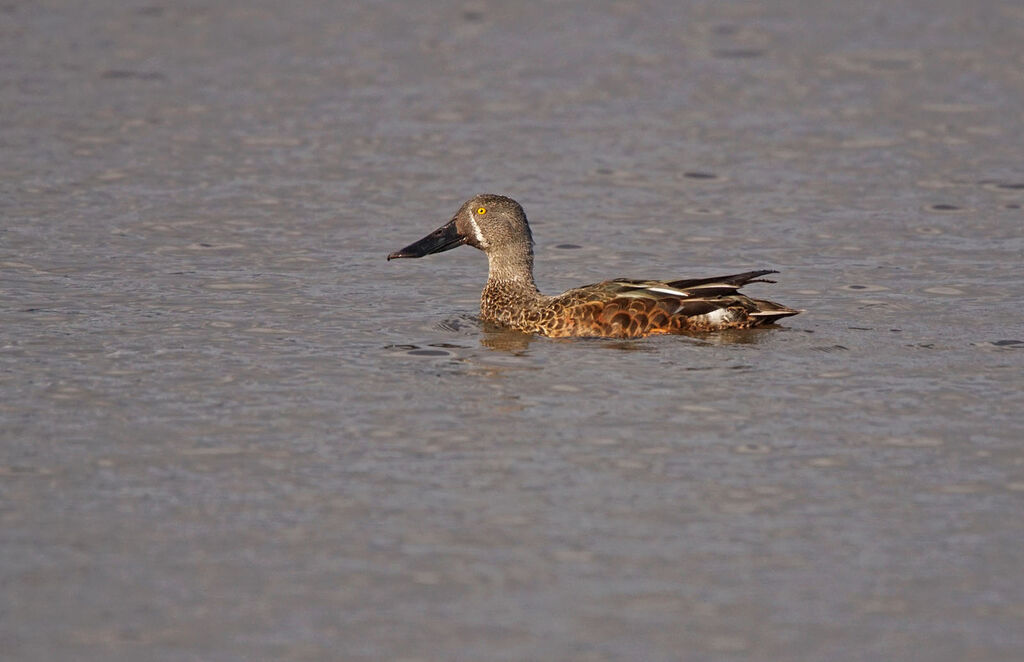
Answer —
229 430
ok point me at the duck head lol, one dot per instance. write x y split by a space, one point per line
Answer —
492 223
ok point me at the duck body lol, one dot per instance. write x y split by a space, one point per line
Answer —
624 308
620 308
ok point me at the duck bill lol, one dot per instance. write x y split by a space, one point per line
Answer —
442 239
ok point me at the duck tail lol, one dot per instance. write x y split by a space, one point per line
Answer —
769 312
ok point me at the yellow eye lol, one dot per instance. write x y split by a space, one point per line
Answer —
481 210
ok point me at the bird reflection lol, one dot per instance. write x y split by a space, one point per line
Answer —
501 339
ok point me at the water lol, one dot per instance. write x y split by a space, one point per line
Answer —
232 431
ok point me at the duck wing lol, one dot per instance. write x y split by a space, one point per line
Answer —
633 308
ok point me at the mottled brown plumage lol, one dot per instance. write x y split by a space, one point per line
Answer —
620 308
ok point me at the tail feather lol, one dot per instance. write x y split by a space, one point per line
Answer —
733 281
769 312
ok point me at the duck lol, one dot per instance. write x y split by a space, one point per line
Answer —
619 308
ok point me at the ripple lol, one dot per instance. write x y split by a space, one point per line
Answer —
911 442
23 470
464 325
991 185
738 53
753 448
879 62
962 488
614 173
228 285
204 246
1001 344
429 352
132 74
952 107
433 350
868 143
936 184
271 141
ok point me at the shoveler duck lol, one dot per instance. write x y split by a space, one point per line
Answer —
620 308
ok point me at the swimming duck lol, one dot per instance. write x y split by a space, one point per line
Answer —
620 308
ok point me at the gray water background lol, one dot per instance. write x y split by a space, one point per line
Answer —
229 430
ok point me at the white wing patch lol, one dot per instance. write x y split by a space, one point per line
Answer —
718 316
666 290
716 286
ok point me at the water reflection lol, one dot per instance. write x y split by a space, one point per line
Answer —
735 336
505 340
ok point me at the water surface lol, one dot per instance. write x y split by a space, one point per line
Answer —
230 430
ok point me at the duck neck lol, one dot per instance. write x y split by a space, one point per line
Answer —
511 268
